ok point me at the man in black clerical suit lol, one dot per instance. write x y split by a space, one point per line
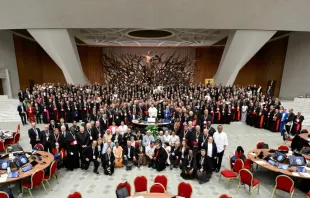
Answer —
34 135
96 131
160 157
91 154
22 113
44 138
194 136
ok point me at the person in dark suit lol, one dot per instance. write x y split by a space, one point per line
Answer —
205 117
56 139
211 152
96 131
129 153
62 123
52 126
38 113
297 124
34 135
194 136
108 162
203 140
91 154
103 122
116 137
204 167
21 95
44 139
210 129
160 157
175 155
74 128
189 166
22 113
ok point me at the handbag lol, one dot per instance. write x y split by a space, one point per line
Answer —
122 192
264 146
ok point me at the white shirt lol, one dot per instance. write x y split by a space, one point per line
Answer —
220 140
122 129
167 138
210 148
174 139
152 112
150 150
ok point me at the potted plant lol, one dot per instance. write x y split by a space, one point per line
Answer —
153 129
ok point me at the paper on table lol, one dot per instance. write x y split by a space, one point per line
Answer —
306 174
139 197
295 174
3 177
252 154
260 162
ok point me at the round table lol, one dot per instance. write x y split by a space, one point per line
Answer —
252 155
47 159
154 195
159 124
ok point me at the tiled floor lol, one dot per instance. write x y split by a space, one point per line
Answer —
98 186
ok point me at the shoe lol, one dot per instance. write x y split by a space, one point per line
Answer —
171 167
96 172
217 170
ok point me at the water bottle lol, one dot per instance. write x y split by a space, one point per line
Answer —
8 169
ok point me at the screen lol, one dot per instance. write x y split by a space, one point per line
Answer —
280 157
4 164
297 161
271 162
301 169
21 161
283 166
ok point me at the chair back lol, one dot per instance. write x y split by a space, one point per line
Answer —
230 162
162 179
75 195
18 128
284 183
127 186
3 194
140 183
238 165
52 169
225 196
2 147
259 144
185 190
39 146
16 138
246 177
157 188
36 178
283 148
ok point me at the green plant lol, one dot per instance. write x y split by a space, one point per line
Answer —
153 129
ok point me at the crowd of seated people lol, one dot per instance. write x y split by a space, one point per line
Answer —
106 137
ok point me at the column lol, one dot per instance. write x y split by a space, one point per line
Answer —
8 65
241 46
61 47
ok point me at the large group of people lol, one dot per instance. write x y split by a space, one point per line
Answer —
106 136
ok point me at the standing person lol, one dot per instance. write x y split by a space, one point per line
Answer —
38 113
284 117
244 110
72 148
108 162
275 124
298 119
34 135
211 151
31 112
91 154
22 113
210 129
44 138
83 141
220 139
289 121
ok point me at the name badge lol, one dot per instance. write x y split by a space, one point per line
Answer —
94 157
74 142
91 138
110 116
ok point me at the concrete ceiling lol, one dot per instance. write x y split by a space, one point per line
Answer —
121 37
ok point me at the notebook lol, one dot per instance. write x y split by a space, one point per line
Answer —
13 174
283 166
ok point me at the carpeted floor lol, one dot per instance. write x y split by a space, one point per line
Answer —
98 186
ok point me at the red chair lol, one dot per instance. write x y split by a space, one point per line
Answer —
75 195
285 184
283 148
52 172
246 177
140 183
157 188
289 139
258 145
14 140
3 195
39 146
162 179
35 180
232 174
225 196
3 147
185 190
308 194
248 164
127 185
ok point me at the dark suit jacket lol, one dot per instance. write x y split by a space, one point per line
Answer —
207 164
59 126
137 151
43 137
96 131
162 154
105 159
89 153
19 109
103 124
132 152
52 140
33 136
214 149
193 136
119 138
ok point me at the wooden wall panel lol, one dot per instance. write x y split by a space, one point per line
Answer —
207 62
